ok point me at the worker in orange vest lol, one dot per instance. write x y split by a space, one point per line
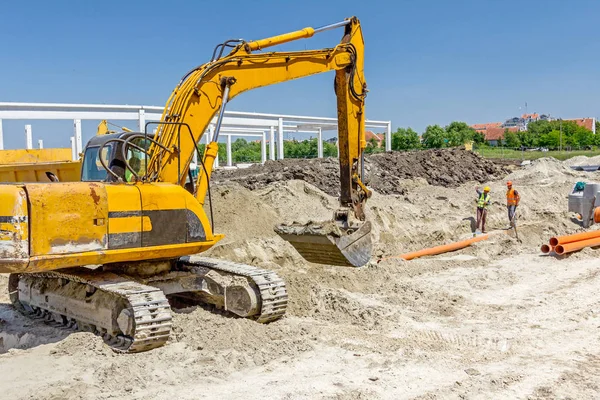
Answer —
512 201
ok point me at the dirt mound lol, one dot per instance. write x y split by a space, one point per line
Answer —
448 168
384 172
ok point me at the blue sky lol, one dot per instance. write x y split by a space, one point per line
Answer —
427 62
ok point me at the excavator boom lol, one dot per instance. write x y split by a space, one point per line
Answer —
205 91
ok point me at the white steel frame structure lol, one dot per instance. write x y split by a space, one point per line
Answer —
268 128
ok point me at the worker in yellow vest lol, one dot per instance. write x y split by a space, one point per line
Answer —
512 201
483 201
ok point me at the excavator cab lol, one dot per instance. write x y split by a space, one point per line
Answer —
107 150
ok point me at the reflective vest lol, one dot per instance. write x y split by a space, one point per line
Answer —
484 199
511 197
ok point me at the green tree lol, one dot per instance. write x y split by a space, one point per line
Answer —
405 139
583 138
511 139
538 128
527 139
550 139
434 137
458 133
373 147
479 138
329 150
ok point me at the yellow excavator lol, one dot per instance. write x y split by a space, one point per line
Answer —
112 255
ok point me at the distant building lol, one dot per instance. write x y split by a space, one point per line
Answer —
524 120
495 135
482 128
494 131
587 123
378 137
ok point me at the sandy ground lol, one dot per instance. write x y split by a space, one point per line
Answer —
497 320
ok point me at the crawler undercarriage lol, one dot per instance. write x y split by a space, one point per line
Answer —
131 310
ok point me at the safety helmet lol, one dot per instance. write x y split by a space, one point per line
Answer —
486 189
509 183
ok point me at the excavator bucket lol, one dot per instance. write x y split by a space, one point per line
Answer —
327 243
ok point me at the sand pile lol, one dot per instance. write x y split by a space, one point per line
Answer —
545 169
384 172
582 161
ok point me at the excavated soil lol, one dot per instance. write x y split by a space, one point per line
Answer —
496 320
384 172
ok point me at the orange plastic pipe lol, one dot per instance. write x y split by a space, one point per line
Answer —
574 246
440 249
556 240
547 248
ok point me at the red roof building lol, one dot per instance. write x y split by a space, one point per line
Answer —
378 137
587 123
493 131
531 117
497 133
481 128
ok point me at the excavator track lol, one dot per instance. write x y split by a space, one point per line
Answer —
144 312
273 295
133 314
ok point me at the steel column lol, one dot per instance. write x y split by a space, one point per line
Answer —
229 156
78 141
320 143
388 137
28 137
263 148
280 139
141 119
40 144
73 149
272 144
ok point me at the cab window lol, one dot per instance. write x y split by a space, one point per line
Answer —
136 158
92 169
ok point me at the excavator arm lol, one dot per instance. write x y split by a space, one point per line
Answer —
204 92
145 235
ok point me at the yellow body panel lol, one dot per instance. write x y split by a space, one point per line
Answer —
83 223
14 235
30 156
66 171
128 224
124 216
67 217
